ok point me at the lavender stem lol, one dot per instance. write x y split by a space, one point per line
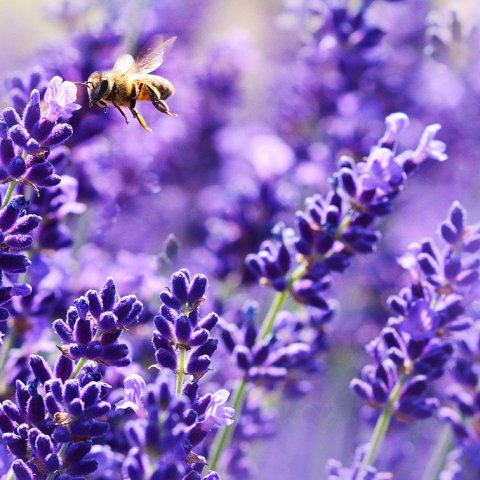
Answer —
381 428
437 459
180 372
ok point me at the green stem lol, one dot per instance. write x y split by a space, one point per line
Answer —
239 393
9 193
180 372
6 347
381 428
61 454
278 302
437 460
84 360
223 438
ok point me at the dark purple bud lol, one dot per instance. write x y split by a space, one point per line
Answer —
254 265
39 172
284 258
22 471
171 302
10 213
198 337
82 332
260 354
198 364
107 321
71 390
348 181
16 167
208 348
76 452
362 389
164 395
415 387
12 411
108 294
452 267
16 444
166 359
115 351
197 289
458 216
90 394
81 304
304 229
13 263
183 329
7 152
242 355
40 368
60 134
449 233
83 468
11 117
190 389
98 410
180 287
427 264
250 335
63 331
472 244
209 321
95 303
163 326
31 115
6 424
42 129
228 339
36 409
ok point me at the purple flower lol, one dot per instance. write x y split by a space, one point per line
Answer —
135 388
396 123
60 97
217 414
429 147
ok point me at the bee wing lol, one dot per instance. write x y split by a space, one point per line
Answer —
123 64
151 56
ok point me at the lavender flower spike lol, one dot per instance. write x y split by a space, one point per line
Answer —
60 97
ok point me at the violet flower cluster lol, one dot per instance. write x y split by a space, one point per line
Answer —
420 338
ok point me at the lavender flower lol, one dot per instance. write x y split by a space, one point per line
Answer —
179 325
94 324
27 140
60 97
333 229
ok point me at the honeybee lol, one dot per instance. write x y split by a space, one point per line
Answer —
130 81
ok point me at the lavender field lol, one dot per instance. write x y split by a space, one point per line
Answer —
239 240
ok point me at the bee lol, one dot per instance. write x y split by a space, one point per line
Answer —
130 81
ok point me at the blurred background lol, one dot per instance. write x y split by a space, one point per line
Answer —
269 94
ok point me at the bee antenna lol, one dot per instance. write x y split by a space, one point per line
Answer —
86 84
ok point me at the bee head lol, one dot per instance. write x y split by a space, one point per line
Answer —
97 86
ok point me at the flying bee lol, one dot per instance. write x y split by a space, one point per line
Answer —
130 81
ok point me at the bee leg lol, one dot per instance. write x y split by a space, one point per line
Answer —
117 106
102 104
121 111
158 103
140 119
